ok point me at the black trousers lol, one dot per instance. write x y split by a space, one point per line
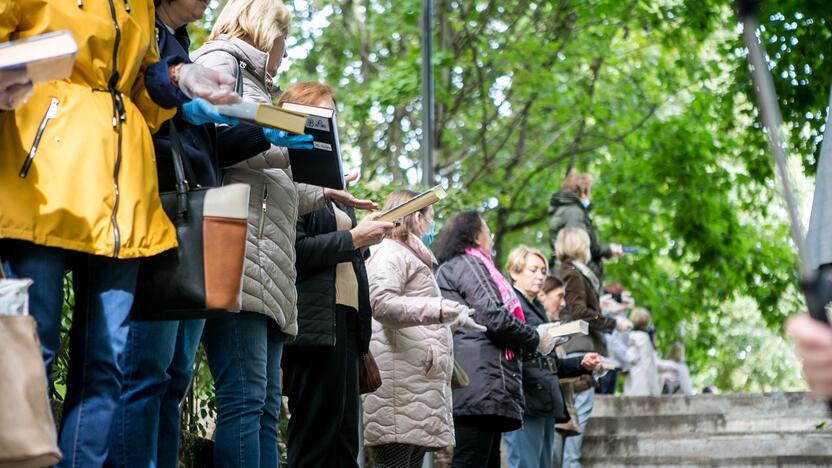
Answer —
321 383
477 442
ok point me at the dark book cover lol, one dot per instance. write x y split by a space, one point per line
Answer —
321 165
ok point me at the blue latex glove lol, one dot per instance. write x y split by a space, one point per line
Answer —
281 138
198 111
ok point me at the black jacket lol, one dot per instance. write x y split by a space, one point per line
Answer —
207 147
541 387
496 387
320 248
567 211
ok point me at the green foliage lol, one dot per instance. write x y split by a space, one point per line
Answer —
653 97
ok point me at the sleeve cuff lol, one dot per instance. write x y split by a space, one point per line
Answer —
158 85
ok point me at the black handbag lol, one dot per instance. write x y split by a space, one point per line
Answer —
202 278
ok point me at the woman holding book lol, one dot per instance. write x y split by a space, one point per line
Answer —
533 444
411 413
78 190
244 351
582 289
493 402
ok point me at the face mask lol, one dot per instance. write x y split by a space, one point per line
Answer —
427 237
585 203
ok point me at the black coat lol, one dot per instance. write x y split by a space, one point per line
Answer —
541 387
496 382
320 248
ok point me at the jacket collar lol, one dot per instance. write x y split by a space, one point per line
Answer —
255 59
534 306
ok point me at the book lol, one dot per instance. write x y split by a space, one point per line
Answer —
46 57
322 165
570 328
413 205
265 115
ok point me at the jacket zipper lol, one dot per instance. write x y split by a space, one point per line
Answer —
263 212
50 114
118 117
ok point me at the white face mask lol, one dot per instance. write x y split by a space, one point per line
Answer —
585 202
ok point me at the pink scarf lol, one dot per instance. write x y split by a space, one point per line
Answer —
510 300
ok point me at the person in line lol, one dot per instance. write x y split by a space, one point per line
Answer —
320 366
582 289
674 376
642 379
412 412
570 207
493 402
244 350
614 303
160 355
78 190
532 446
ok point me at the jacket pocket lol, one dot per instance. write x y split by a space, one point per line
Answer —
263 209
50 114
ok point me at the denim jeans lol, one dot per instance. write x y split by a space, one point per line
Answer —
104 290
583 408
531 446
158 366
244 352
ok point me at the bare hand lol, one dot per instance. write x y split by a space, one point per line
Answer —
15 88
591 361
616 250
370 232
347 199
813 347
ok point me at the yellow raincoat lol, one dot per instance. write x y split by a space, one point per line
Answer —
91 183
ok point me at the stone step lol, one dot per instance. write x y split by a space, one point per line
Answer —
704 423
796 461
713 446
774 404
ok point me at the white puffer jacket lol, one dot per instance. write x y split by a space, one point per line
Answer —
414 351
275 201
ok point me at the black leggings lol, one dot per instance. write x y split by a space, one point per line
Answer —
477 442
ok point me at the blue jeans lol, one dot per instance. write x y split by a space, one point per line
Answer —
583 408
104 290
159 364
244 354
531 446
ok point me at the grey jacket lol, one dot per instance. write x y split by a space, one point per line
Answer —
269 274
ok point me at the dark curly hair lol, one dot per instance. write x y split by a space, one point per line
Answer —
458 233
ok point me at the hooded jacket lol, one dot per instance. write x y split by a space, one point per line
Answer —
567 211
275 201
77 169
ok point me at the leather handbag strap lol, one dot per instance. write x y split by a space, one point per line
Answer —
182 169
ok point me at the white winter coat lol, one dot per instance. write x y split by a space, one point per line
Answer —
414 351
643 377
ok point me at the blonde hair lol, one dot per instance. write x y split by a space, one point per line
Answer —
408 223
640 318
259 21
572 244
517 258
577 183
676 352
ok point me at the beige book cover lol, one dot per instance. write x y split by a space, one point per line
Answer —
46 57
413 205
